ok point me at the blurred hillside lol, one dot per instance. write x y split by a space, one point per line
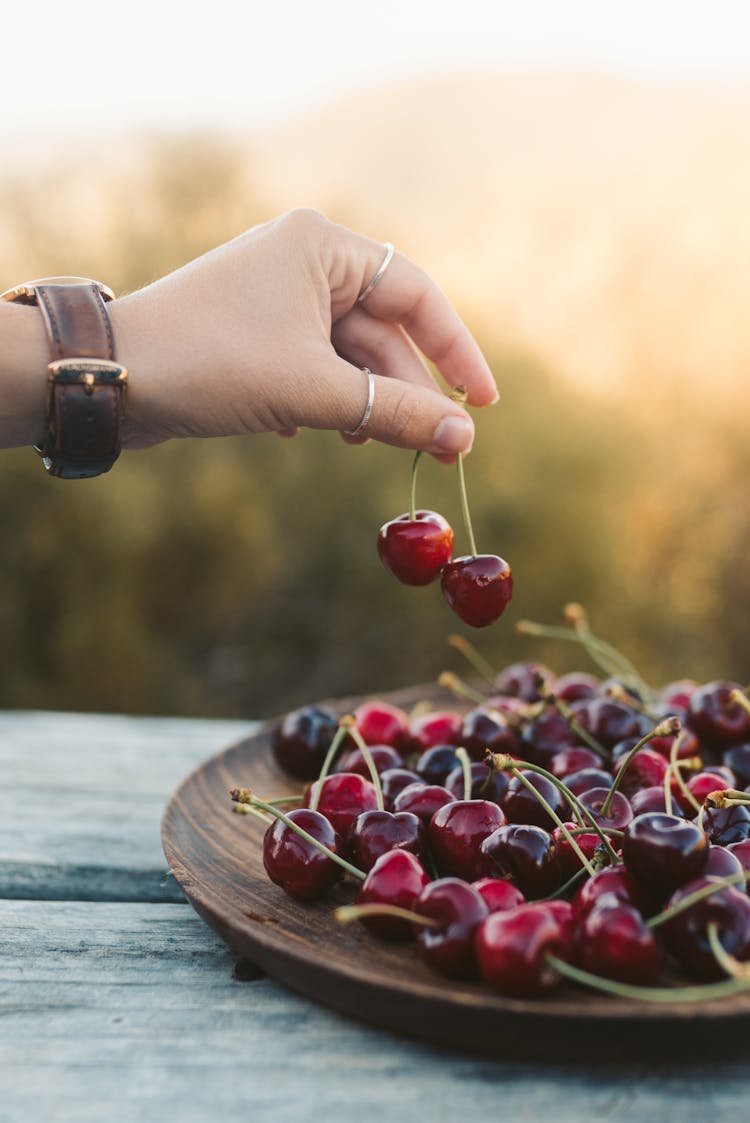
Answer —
592 232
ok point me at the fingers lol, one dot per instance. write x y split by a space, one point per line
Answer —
383 347
404 414
407 296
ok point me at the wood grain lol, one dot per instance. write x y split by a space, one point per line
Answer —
216 856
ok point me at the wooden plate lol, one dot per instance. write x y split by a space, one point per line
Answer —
215 855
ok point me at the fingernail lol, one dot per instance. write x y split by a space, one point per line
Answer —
453 434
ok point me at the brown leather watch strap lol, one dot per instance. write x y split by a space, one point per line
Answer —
76 320
86 389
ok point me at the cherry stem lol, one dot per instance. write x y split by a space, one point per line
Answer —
465 505
413 486
741 699
363 747
699 895
474 657
675 769
733 967
603 654
666 728
701 992
555 819
463 758
345 914
246 798
450 681
338 739
502 762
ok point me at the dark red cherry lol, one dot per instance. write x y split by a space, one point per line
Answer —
545 736
397 878
441 727
383 757
524 680
613 881
342 798
716 719
572 759
423 800
570 863
525 855
653 799
499 895
704 783
435 763
610 721
721 862
478 588
725 824
686 935
675 697
614 941
741 851
522 806
619 813
576 686
301 741
646 769
662 852
483 729
512 949
293 863
562 911
484 784
416 550
687 743
456 832
374 833
738 760
393 781
449 947
380 723
588 778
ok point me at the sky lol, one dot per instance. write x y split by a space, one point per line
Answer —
83 67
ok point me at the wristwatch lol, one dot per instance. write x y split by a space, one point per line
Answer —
85 386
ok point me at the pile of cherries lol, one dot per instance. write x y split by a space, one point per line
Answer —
417 548
576 826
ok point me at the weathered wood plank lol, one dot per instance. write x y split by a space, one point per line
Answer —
116 1012
85 793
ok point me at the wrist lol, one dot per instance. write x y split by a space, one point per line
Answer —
23 375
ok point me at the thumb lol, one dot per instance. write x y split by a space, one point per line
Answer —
403 414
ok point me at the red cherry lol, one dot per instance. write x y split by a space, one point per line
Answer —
379 723
423 800
383 757
686 934
374 833
456 831
614 941
569 861
524 680
448 947
499 895
441 727
342 798
415 549
478 588
301 741
512 949
613 881
397 878
716 718
293 863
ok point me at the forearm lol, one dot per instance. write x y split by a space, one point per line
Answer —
23 371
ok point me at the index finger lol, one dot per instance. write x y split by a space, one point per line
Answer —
406 295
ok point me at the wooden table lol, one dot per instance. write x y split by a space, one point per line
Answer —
118 1003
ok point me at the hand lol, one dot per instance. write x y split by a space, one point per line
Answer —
265 334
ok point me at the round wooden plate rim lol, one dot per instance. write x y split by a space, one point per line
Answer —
291 961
